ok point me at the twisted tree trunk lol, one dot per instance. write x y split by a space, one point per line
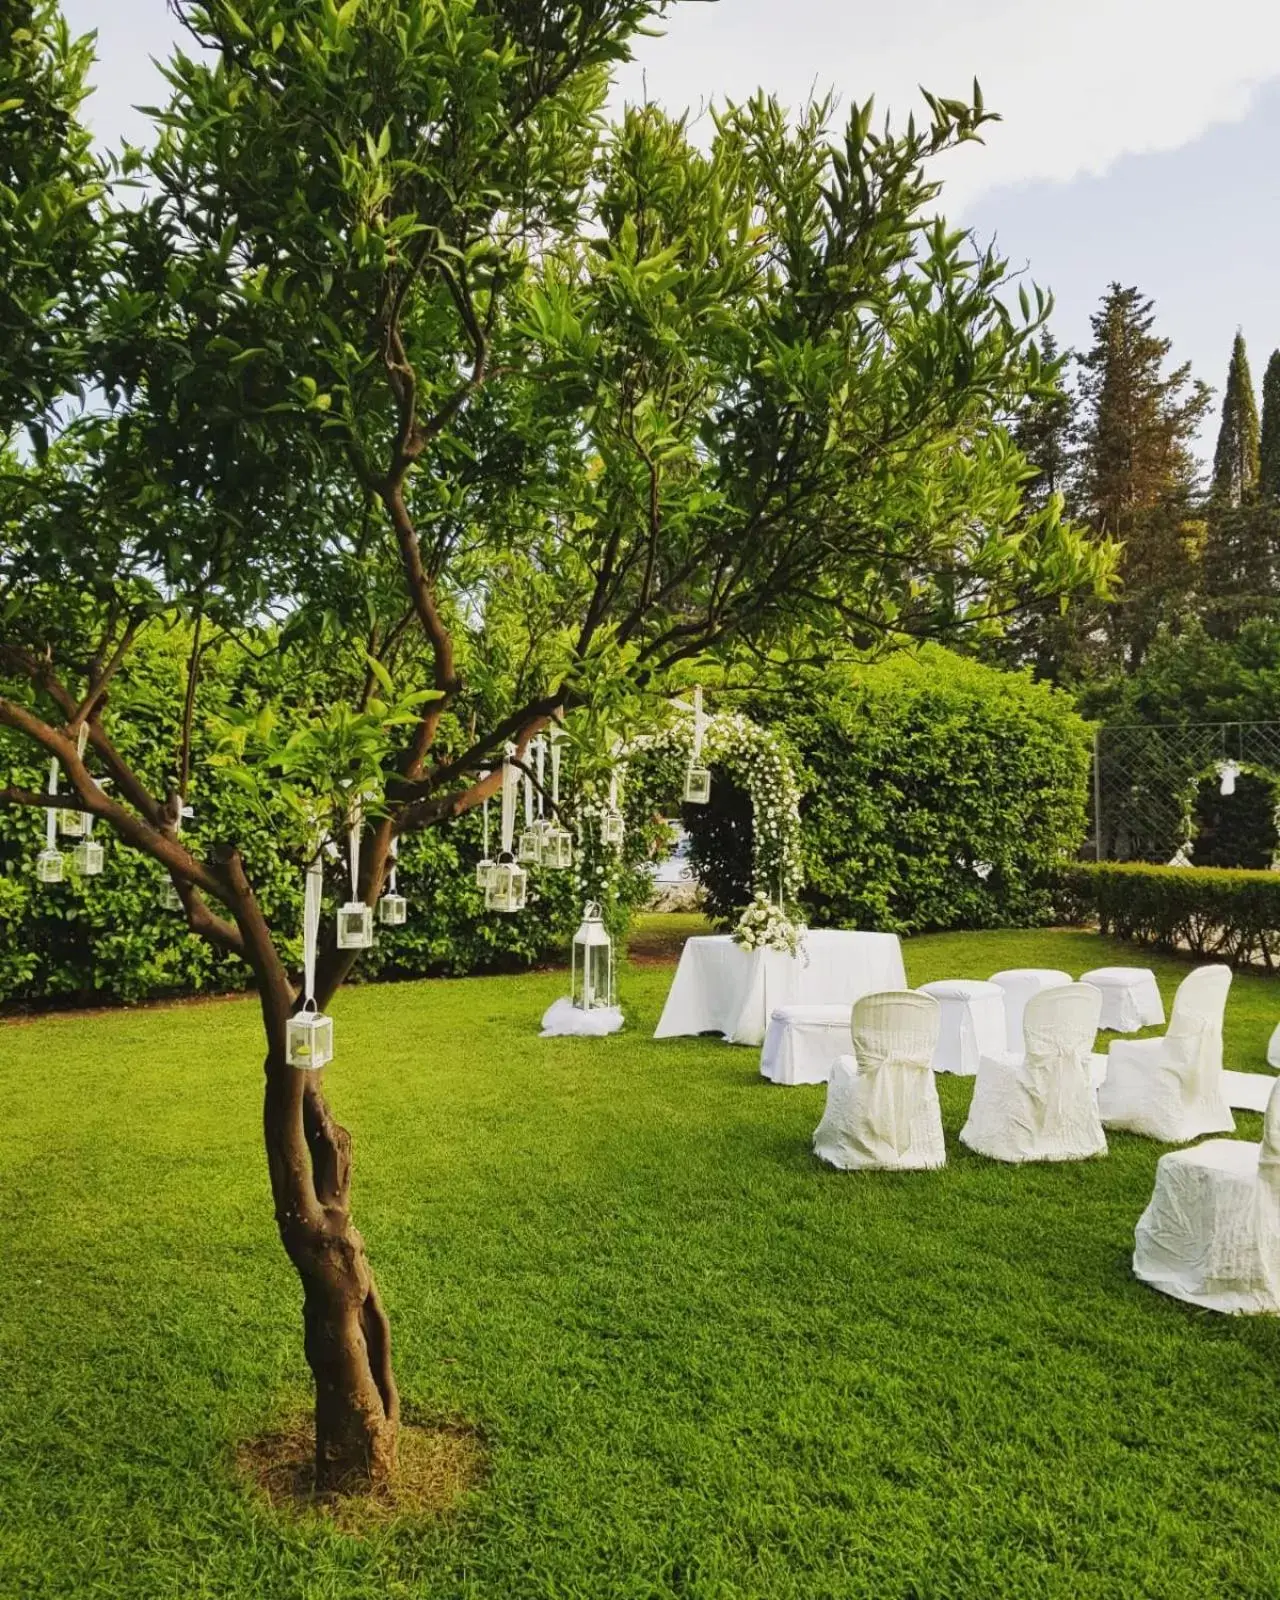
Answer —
347 1334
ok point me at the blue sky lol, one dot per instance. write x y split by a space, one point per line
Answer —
1141 138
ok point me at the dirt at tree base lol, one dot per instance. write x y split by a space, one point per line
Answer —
439 1463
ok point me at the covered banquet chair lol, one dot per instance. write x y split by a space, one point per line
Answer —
1211 1234
1038 1104
882 1103
1172 1088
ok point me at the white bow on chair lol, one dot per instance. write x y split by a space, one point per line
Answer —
888 1102
1053 1059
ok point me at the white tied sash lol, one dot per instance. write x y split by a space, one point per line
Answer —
1055 1070
895 1082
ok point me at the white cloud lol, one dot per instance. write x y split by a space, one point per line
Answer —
1079 83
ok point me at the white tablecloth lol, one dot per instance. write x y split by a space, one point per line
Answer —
721 988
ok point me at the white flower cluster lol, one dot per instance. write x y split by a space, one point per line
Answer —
765 926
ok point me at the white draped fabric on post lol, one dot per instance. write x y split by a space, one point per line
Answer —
1172 1088
1038 1104
882 1102
721 988
1130 998
804 1042
1211 1234
972 1023
1019 984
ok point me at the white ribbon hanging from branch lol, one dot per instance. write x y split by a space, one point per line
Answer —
82 743
395 856
528 801
353 846
555 771
51 815
540 756
510 780
314 893
484 812
699 723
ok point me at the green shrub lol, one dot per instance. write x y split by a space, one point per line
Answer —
1230 914
939 793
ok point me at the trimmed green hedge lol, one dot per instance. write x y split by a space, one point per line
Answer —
938 793
1229 914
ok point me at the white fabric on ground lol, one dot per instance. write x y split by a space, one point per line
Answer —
804 1042
1211 1234
1130 998
1019 984
1040 1104
1248 1091
721 988
972 1023
563 1018
1172 1088
882 1102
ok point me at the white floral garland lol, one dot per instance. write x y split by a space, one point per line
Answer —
753 757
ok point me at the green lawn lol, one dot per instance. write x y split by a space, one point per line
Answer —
704 1365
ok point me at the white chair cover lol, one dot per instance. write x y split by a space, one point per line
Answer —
1273 1050
882 1103
1019 984
1211 1234
1172 1088
1130 998
972 1023
804 1042
1039 1105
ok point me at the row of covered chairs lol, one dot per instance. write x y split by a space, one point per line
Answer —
1211 1234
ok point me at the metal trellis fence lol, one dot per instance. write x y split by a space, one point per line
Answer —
1146 777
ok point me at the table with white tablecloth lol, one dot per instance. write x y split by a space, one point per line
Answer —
721 988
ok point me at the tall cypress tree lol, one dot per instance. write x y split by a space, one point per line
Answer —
1239 555
1235 461
1269 449
1138 470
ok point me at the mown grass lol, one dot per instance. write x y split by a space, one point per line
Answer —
704 1366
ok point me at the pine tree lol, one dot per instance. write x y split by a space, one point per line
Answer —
1138 471
1269 448
1235 461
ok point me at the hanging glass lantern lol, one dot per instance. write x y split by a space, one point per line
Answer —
73 823
355 926
88 856
591 963
613 827
529 849
1228 771
49 866
557 848
697 786
484 871
508 885
170 899
310 1038
392 910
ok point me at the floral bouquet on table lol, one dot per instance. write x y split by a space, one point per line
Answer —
765 926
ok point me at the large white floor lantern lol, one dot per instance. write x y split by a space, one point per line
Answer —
591 963
309 1042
